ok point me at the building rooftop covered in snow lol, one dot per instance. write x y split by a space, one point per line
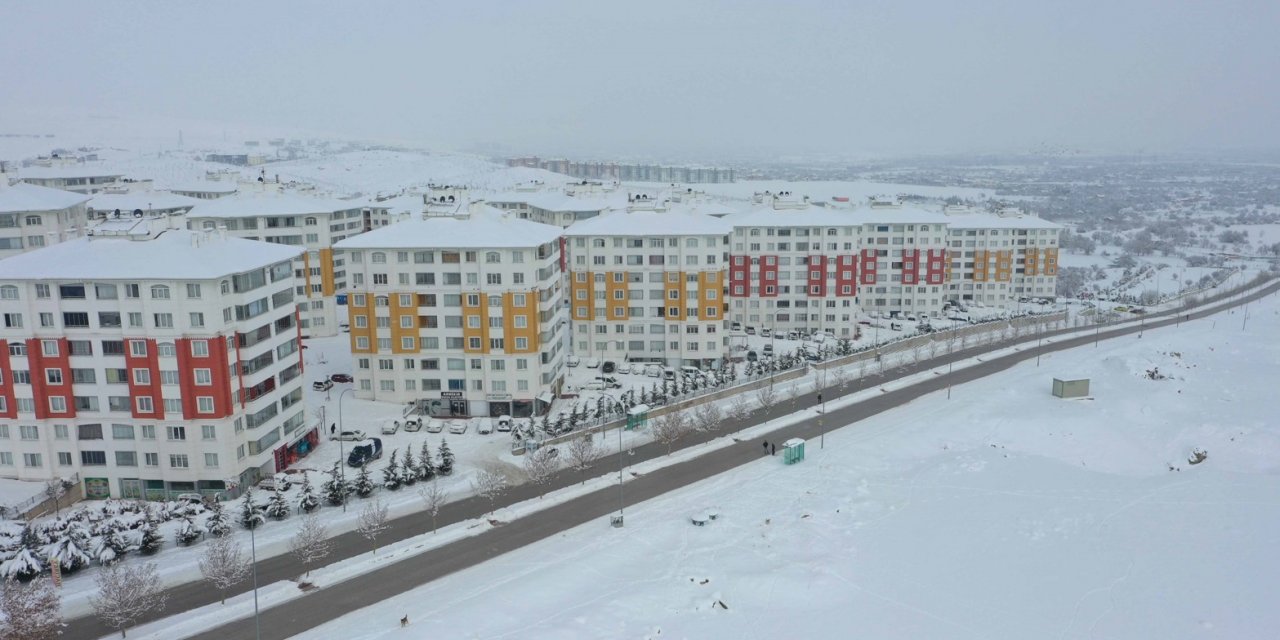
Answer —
32 216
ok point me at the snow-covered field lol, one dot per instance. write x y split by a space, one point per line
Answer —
1003 512
823 191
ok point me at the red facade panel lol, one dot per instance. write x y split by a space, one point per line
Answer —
219 387
911 266
846 275
739 276
817 276
42 389
10 409
768 276
936 266
149 361
868 266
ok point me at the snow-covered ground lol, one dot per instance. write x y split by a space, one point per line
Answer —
18 492
1003 512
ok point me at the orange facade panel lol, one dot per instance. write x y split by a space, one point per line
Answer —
710 292
364 327
582 293
1004 266
327 286
404 322
673 295
520 308
475 323
980 265
1050 261
615 296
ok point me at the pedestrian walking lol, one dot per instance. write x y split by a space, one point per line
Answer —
773 449
766 447
333 428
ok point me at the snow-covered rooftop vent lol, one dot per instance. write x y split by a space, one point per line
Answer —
1010 212
134 225
957 209
589 188
645 202
885 202
530 186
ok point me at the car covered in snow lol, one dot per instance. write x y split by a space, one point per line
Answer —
434 425
390 427
341 378
572 361
277 481
457 427
349 435
484 426
322 385
412 424
624 367
504 423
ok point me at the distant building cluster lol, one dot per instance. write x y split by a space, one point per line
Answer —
625 172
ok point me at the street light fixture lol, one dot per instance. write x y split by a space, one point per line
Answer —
342 455
621 501
822 432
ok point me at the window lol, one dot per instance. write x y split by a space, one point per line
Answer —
204 404
148 432
197 320
57 404
204 377
53 376
42 291
8 292
144 404
199 348
142 376
207 432
159 292
49 348
34 459
13 320
163 320
29 432
126 459
6 458
151 459
211 460
122 432
178 461
64 458
138 348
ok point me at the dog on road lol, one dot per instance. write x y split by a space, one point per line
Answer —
404 622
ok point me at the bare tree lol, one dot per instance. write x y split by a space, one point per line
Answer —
490 483
541 465
223 565
583 453
54 490
839 377
738 412
373 521
29 611
127 593
933 349
707 417
669 428
311 542
433 497
766 396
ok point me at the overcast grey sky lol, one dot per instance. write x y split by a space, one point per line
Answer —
709 79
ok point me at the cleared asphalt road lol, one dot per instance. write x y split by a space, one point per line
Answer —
318 607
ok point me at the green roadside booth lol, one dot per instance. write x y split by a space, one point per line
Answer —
637 416
793 451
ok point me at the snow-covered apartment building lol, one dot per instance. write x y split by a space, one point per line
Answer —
647 284
150 360
563 207
88 178
32 217
795 266
313 225
462 314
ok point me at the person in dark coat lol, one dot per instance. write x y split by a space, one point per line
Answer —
333 428
766 447
773 449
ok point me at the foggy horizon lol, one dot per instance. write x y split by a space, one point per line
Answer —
714 80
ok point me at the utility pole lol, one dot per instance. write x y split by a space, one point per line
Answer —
822 432
342 455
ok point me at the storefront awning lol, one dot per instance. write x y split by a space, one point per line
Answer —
545 396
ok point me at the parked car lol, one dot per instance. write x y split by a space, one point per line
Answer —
668 373
767 349
434 425
593 363
766 333
692 372
594 385
277 481
737 326
504 423
390 427
341 378
752 356
365 452
653 371
191 498
457 427
751 331
793 335
484 426
608 366
322 385
624 368
412 424
348 436
896 326
572 361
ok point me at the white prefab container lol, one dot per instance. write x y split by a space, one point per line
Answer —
1071 388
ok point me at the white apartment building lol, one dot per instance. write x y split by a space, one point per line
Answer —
463 315
145 203
152 361
795 266
648 285
1000 259
32 217
313 225
206 190
569 205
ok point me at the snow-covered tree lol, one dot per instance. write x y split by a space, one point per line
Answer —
23 563
126 593
445 467
307 500
433 497
250 514
54 490
71 549
336 488
583 453
373 521
391 472
489 484
188 531
408 468
150 539
109 547
426 465
766 396
278 508
541 465
311 542
223 565
707 417
29 611
218 524
364 483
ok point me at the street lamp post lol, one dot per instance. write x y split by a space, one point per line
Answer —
822 413
621 500
253 552
342 471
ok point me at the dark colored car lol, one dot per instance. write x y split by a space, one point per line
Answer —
344 378
365 452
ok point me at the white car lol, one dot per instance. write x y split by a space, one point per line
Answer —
349 436
504 423
624 368
435 426
457 427
593 363
653 371
390 427
484 426
412 424
594 385
572 361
